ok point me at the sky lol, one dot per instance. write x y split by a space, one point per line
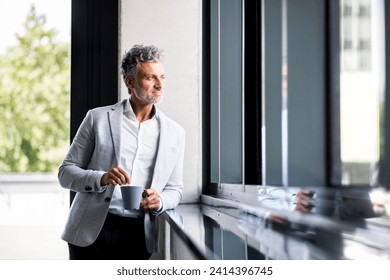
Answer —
13 14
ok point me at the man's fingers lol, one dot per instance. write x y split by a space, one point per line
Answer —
119 176
151 199
123 175
148 192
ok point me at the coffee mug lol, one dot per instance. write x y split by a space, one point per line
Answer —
131 196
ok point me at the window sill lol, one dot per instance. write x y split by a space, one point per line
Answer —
220 228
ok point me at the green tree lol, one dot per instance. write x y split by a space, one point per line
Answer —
34 99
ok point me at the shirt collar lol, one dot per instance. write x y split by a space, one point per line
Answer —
128 110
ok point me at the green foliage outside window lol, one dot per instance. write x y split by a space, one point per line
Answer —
34 99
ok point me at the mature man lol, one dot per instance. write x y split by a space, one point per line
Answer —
131 142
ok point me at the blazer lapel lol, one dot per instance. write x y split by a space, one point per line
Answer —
115 121
161 154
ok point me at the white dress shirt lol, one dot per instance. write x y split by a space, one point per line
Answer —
139 144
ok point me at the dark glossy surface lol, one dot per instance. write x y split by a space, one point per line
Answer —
315 223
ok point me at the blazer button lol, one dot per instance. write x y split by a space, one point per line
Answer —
88 188
107 199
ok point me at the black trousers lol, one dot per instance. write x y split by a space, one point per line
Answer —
121 238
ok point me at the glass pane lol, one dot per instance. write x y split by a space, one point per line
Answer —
34 127
361 90
226 93
231 94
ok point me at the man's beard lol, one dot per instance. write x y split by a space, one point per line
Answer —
149 99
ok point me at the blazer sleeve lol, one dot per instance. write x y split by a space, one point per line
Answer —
73 173
173 191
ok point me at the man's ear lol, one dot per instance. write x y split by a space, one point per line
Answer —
129 82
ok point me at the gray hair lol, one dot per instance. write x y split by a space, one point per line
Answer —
139 53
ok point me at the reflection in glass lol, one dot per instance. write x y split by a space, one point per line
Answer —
361 90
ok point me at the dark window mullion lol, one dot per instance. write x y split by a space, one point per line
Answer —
332 111
94 58
252 82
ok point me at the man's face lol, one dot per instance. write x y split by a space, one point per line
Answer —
148 84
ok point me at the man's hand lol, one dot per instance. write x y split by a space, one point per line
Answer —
304 200
151 200
116 176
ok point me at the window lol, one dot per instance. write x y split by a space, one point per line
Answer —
234 96
347 11
364 10
34 127
273 143
347 45
311 93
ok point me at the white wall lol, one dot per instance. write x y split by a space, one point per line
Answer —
174 26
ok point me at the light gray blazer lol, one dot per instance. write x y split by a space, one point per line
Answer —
94 151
